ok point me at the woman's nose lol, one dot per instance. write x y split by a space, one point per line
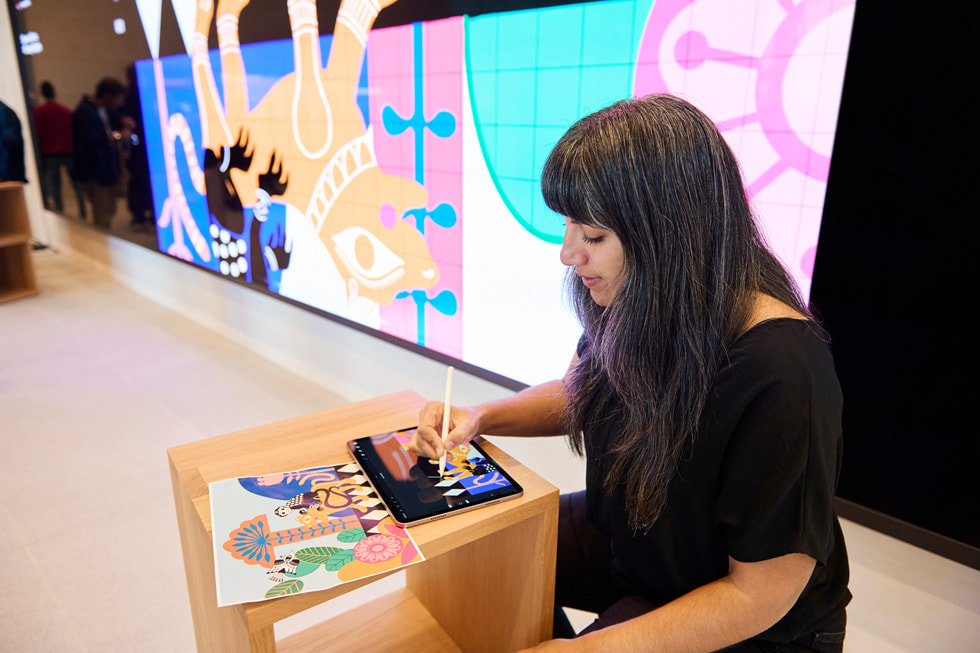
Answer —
571 254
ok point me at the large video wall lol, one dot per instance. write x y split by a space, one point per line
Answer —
389 175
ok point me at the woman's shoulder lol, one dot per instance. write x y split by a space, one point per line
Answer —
784 352
765 308
777 338
772 320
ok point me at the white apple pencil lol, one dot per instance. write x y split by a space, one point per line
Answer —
445 420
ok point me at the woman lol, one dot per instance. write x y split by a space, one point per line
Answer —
702 396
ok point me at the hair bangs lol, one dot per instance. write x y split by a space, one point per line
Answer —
570 185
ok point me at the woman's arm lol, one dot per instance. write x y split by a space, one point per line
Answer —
750 599
533 411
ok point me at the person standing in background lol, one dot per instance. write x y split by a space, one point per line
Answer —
52 121
96 153
11 146
139 194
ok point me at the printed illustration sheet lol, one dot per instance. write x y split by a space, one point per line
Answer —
301 531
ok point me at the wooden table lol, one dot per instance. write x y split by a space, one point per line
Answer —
487 583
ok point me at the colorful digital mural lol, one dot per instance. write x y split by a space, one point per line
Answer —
391 176
283 534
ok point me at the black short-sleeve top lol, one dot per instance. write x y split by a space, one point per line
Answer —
757 482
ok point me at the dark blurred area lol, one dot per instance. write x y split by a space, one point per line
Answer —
894 270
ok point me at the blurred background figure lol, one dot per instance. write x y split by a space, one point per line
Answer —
11 146
139 194
97 128
52 122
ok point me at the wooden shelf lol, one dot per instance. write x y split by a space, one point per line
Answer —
10 240
16 266
392 623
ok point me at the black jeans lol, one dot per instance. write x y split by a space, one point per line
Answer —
585 581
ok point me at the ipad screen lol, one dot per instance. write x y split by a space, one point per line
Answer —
411 486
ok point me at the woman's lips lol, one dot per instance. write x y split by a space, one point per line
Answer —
590 281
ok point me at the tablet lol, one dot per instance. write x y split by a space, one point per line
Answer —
411 487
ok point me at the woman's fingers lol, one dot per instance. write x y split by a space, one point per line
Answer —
428 437
429 445
456 437
462 427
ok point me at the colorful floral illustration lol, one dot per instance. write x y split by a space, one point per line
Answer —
377 548
250 543
344 533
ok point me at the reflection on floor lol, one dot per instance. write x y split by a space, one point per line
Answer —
122 224
96 382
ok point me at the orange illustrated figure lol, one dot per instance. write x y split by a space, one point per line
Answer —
308 133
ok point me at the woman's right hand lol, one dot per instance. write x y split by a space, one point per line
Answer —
464 425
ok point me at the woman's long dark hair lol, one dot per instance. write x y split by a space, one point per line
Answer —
656 172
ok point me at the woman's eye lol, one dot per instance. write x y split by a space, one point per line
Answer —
366 255
591 241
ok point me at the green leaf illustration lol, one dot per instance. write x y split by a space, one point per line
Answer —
304 568
351 536
317 555
285 588
338 560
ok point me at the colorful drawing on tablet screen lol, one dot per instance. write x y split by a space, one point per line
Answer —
467 471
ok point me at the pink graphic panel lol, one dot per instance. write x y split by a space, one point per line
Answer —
425 144
774 91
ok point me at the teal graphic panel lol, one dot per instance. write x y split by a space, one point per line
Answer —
534 73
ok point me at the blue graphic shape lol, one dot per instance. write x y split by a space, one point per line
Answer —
443 124
444 302
291 485
479 484
443 215
529 82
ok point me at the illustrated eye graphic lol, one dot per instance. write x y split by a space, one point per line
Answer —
368 257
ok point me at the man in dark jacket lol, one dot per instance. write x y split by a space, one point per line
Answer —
95 132
11 146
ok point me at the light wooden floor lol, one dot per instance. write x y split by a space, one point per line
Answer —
97 381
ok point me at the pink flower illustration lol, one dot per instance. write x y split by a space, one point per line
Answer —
377 548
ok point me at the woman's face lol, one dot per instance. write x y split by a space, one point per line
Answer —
597 256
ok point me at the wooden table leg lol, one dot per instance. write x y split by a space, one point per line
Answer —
496 593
